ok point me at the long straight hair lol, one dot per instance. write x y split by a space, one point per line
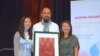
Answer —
21 27
61 32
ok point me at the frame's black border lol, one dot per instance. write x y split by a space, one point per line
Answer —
46 33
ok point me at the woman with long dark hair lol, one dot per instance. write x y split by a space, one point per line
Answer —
69 45
23 38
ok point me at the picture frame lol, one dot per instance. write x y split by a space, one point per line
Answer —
46 43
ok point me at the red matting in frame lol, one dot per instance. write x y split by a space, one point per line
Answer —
46 46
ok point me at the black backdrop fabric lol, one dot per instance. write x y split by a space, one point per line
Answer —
10 13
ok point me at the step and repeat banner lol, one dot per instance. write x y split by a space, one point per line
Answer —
85 19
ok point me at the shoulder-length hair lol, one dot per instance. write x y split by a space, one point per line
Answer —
61 32
21 27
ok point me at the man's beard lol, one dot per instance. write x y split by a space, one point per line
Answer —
46 19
